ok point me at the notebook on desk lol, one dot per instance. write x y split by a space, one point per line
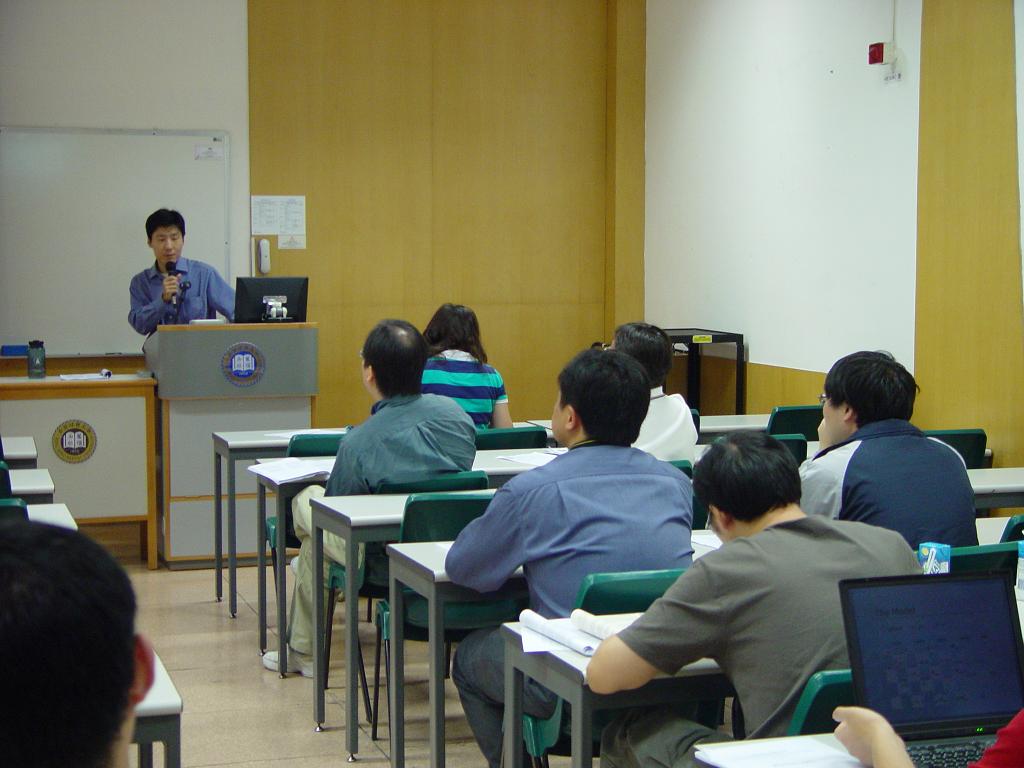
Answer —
940 656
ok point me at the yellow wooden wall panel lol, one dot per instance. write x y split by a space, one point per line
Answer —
449 150
968 347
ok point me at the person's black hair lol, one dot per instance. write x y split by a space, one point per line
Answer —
397 353
164 218
650 346
874 385
454 326
609 392
67 638
747 474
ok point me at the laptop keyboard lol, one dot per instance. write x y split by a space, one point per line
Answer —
955 755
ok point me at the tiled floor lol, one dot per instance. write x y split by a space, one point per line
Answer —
238 714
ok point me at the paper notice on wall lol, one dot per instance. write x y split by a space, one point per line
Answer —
291 242
278 215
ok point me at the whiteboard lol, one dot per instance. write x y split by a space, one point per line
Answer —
73 208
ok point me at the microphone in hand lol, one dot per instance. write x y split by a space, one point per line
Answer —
172 271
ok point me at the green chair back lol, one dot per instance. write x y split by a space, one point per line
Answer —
696 419
1 449
683 466
795 419
314 445
5 481
987 557
797 445
1014 530
627 592
823 693
512 437
13 509
440 516
969 443
449 481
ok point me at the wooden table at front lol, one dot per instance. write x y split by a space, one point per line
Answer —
564 672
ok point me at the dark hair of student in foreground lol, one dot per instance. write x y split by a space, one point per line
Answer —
67 638
874 384
454 326
747 474
650 346
164 218
397 353
609 392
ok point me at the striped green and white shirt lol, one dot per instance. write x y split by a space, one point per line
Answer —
475 386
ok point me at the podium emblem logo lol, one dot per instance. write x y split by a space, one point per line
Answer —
74 441
243 364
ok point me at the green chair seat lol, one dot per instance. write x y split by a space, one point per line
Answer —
13 509
795 419
823 693
512 437
5 481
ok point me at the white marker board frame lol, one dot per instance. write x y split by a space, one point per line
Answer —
73 207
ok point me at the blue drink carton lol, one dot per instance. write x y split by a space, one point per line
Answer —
1020 565
934 558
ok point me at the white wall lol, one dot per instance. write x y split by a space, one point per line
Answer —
782 175
133 64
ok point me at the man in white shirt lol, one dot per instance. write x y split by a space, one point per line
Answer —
668 432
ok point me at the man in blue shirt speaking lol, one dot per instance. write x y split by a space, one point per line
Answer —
602 507
175 290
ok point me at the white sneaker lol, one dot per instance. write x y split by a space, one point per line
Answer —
297 662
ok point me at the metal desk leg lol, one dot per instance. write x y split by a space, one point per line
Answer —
582 739
318 624
218 546
351 646
261 562
435 636
693 376
513 712
741 376
232 591
282 597
396 674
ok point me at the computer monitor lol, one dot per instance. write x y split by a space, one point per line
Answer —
271 299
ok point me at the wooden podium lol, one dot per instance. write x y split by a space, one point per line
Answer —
215 378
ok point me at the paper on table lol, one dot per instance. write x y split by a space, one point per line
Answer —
601 627
103 374
293 469
560 630
289 433
805 752
707 539
537 459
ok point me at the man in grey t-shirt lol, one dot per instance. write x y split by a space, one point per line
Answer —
765 606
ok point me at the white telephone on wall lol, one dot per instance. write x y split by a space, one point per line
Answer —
263 256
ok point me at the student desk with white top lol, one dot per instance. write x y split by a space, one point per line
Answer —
158 718
20 452
421 567
52 514
563 672
999 487
35 486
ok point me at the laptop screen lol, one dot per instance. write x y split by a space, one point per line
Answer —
937 655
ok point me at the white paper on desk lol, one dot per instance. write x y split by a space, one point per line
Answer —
538 459
293 469
561 631
103 374
805 752
290 433
707 539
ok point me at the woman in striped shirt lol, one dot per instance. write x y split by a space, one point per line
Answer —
458 367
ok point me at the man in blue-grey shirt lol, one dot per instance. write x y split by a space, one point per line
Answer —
408 437
602 507
175 290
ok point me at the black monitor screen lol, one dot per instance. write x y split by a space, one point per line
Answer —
271 299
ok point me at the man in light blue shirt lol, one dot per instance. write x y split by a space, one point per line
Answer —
602 507
175 290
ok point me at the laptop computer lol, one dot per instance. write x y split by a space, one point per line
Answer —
941 656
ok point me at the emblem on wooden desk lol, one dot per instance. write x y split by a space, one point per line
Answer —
74 441
243 364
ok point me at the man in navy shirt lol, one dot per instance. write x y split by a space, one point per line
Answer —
175 290
876 467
